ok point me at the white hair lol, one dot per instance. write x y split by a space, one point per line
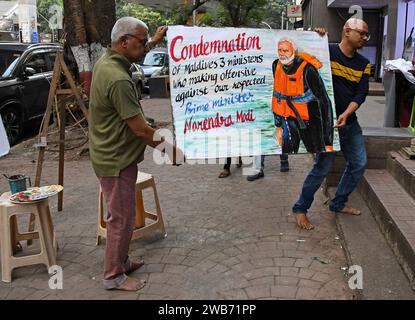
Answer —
126 25
295 48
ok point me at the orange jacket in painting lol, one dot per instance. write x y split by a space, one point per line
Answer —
291 87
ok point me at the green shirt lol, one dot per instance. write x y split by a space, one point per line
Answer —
113 99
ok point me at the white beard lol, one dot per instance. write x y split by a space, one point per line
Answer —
288 60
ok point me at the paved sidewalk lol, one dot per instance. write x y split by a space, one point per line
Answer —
227 238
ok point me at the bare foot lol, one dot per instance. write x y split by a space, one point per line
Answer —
351 211
131 284
303 222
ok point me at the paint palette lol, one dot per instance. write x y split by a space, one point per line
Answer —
35 194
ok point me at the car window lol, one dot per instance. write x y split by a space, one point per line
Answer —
7 58
10 69
154 59
37 61
51 55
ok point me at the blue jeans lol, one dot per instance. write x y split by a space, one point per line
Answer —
260 162
354 151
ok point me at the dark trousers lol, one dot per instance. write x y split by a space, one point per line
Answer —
227 165
354 151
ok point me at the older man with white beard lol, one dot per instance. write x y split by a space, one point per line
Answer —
301 106
302 109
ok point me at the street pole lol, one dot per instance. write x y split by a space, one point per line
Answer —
282 20
194 13
295 19
52 30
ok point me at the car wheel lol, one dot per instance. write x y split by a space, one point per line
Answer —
12 123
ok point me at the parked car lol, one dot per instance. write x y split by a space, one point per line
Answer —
24 83
138 78
156 63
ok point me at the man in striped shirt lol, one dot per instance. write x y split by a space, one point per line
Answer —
351 72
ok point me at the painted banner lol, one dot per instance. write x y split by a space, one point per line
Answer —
246 92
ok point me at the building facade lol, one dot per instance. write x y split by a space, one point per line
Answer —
390 24
18 21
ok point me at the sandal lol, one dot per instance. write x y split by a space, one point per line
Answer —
225 174
133 266
126 284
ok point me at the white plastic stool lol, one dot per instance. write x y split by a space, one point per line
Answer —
46 236
144 181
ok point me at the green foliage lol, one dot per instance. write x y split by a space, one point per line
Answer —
226 13
273 11
179 14
221 17
206 19
241 13
248 13
44 15
151 17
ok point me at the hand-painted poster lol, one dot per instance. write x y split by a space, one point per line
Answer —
245 92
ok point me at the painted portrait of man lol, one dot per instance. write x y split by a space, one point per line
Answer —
300 103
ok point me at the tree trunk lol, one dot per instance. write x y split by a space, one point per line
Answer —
239 14
88 26
74 22
107 18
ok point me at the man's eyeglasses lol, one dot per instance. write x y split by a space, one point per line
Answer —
142 41
363 34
